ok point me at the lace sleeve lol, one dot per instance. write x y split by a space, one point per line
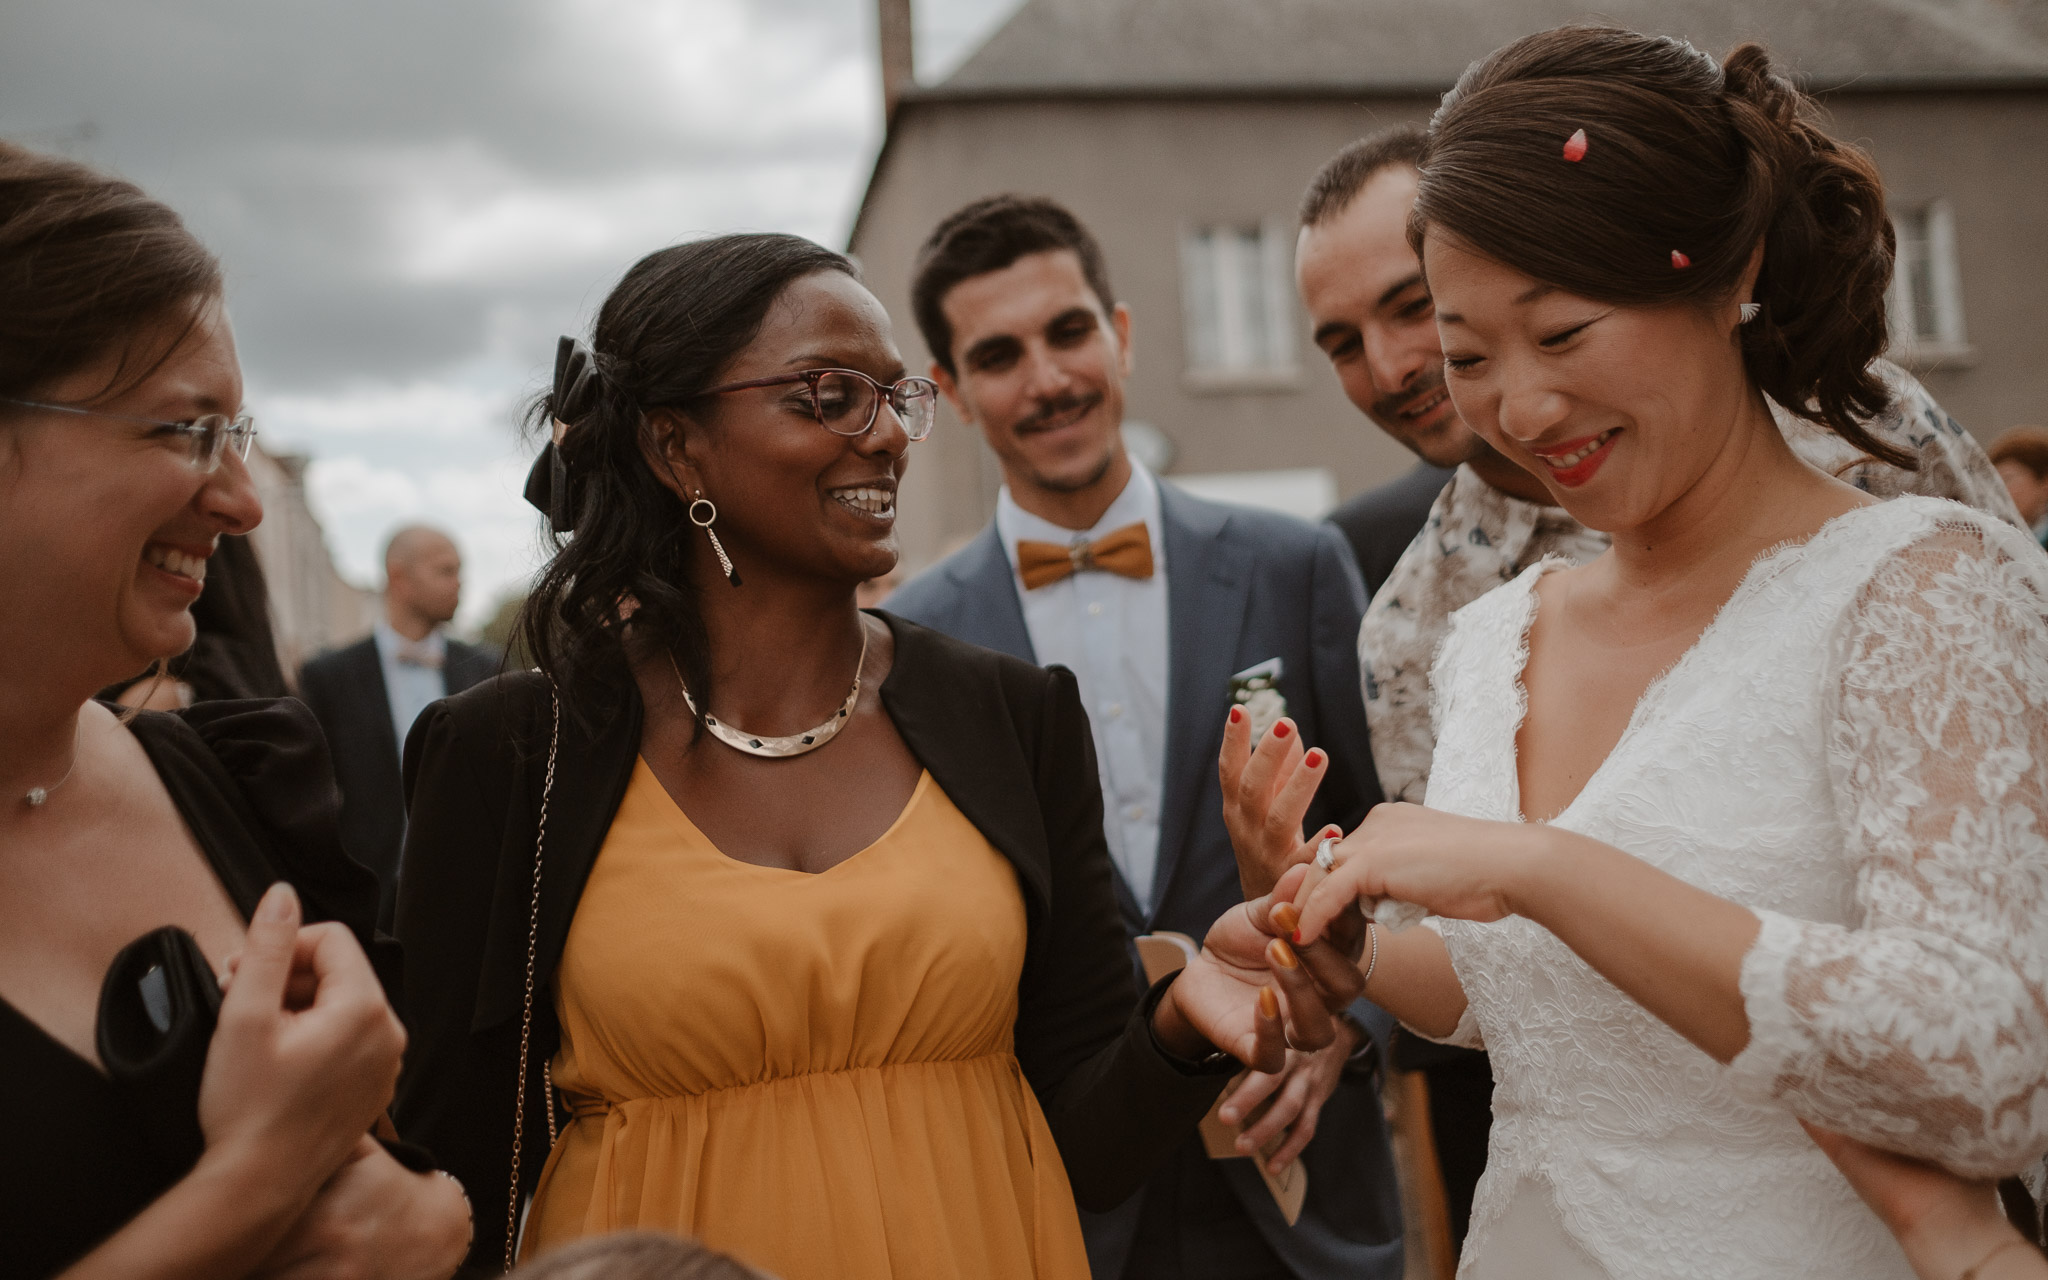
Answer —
1467 1034
1923 1027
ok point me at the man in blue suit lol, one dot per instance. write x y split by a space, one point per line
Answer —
1166 607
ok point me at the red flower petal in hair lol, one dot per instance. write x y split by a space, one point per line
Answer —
1575 147
1679 261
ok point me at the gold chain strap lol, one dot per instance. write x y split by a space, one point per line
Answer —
540 840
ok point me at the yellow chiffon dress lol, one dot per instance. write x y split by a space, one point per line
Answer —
814 1073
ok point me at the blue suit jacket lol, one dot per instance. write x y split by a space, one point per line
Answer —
1242 586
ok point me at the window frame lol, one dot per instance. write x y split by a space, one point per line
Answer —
1930 244
1236 340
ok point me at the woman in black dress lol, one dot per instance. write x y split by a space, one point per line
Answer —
121 464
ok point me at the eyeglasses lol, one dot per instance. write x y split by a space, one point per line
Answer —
205 436
847 401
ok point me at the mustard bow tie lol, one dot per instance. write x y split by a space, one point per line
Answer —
1126 551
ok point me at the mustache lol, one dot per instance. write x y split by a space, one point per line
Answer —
1058 406
1427 383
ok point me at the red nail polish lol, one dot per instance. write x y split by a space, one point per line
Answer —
1280 729
1297 937
1236 714
1314 759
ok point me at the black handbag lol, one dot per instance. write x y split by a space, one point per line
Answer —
157 1012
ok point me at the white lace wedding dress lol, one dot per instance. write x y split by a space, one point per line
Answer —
1857 750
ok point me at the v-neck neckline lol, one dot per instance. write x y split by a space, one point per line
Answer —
213 864
692 830
1752 579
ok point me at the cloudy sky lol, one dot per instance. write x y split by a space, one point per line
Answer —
413 199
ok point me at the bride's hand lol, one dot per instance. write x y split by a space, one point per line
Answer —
1246 993
1463 868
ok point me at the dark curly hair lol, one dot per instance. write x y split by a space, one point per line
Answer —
1684 154
674 321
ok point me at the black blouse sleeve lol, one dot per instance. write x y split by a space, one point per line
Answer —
1117 1105
276 756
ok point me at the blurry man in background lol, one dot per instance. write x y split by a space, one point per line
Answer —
367 695
2021 456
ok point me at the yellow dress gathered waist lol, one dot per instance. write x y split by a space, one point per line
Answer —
814 1073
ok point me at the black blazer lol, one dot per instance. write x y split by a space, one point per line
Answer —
345 688
1007 741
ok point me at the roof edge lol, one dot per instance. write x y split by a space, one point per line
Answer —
2018 81
904 106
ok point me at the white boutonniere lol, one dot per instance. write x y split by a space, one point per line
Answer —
1257 690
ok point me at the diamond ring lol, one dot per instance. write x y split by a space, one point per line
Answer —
1326 855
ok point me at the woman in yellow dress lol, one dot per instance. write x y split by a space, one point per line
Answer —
843 992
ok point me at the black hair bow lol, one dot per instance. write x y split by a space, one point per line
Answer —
549 485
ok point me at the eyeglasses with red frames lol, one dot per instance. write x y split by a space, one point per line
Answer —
204 438
847 401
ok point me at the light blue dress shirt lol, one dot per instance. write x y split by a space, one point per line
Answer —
1111 631
409 687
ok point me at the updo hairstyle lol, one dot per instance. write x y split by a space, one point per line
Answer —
87 262
677 318
1681 155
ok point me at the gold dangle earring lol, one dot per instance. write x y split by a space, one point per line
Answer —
705 522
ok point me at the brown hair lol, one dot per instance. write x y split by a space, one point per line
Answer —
86 263
1345 174
986 236
1682 155
636 1255
2027 446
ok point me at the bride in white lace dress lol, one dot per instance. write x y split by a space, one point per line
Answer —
1745 823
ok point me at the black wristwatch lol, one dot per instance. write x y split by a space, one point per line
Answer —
1218 1063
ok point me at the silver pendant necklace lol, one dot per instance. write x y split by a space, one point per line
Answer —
37 797
793 744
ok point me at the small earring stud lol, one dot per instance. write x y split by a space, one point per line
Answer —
1751 310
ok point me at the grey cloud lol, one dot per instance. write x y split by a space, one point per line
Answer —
411 199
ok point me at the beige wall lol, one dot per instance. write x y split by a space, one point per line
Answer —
1987 155
1138 171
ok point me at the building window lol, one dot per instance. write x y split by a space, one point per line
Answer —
1238 296
1926 302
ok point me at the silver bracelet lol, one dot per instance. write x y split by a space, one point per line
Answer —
1372 937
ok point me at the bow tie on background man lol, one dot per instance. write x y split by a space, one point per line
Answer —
413 654
1126 551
